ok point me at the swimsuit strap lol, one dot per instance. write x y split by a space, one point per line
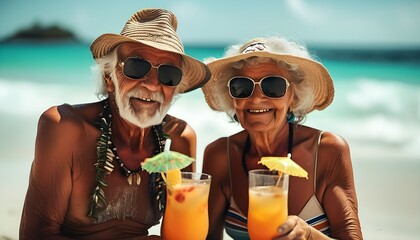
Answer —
247 147
245 152
229 167
290 146
316 160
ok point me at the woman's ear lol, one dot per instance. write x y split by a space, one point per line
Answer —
109 83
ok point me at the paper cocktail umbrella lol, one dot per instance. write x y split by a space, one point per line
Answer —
285 165
169 162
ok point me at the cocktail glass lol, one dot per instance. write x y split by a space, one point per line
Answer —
186 212
267 208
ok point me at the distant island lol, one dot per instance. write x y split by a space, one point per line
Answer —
37 33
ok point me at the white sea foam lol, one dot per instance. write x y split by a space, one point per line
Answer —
379 119
24 98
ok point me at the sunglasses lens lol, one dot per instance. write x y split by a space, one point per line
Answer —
169 75
136 68
241 87
274 87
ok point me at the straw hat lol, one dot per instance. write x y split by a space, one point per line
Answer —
155 28
216 90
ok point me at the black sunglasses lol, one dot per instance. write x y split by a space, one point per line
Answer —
137 68
271 86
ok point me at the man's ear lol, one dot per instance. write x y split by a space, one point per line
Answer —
109 83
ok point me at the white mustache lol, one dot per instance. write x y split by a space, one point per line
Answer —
146 94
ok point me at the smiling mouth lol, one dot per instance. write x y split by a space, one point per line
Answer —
146 99
143 99
142 102
258 110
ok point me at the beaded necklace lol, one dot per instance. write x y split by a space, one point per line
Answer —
135 174
107 152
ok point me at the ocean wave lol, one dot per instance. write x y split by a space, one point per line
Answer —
385 111
379 119
388 97
24 98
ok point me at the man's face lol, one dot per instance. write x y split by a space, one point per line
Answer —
143 102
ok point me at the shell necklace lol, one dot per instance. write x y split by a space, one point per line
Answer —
107 152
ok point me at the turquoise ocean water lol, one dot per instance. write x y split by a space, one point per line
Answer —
376 109
377 101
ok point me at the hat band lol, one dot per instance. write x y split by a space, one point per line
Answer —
259 46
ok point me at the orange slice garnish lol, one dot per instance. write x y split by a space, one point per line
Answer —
174 176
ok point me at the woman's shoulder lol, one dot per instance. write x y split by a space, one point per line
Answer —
217 152
217 146
333 142
222 142
326 138
215 159
334 155
330 146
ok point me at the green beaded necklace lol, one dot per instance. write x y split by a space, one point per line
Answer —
107 152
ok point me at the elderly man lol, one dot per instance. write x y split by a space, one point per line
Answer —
86 180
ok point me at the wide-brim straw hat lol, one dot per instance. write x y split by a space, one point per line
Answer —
216 90
155 28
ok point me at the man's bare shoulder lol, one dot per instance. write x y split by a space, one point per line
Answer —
68 118
174 125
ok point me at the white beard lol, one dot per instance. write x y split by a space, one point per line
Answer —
144 118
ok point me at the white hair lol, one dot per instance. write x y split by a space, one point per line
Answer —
303 99
106 66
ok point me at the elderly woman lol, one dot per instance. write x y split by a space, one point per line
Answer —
269 85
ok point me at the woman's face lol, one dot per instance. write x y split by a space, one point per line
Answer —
259 112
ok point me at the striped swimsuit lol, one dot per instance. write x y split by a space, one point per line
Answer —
312 213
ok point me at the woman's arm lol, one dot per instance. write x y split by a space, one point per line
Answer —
339 199
215 164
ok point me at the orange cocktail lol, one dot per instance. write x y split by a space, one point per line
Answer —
267 208
186 213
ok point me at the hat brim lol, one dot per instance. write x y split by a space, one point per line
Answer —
315 73
195 73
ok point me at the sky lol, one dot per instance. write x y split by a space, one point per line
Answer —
357 23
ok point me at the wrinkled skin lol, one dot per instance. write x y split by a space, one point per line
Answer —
62 177
264 120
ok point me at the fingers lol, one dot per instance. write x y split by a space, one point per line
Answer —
287 226
293 228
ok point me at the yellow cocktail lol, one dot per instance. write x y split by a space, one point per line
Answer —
186 213
267 211
267 208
